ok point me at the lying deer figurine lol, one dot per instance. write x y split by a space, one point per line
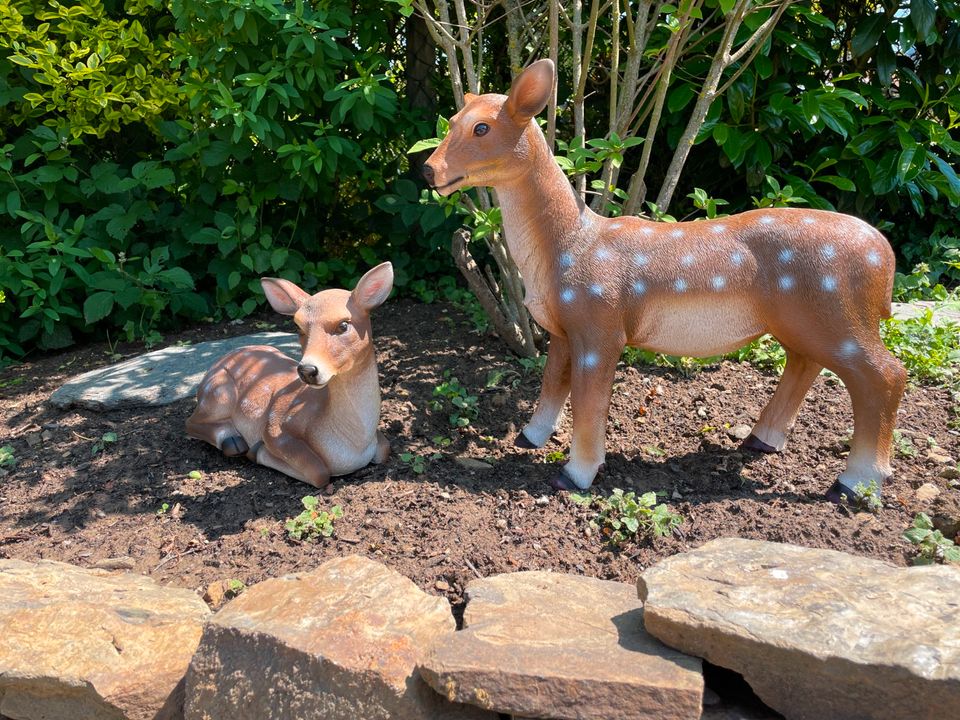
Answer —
817 281
313 419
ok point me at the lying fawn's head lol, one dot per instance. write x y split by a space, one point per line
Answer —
488 140
334 325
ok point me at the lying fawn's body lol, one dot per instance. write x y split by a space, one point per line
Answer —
819 282
313 419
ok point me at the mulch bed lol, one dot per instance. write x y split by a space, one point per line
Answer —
448 524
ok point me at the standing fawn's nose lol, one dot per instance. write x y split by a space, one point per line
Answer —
308 373
428 174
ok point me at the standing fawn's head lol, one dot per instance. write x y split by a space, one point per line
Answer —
334 325
488 140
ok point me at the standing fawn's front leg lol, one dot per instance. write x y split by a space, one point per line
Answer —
553 396
292 456
592 369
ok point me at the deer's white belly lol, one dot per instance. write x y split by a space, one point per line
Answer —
697 327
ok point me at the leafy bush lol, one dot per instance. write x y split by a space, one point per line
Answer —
624 516
932 546
313 523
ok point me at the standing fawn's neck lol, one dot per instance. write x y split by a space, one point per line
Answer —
542 213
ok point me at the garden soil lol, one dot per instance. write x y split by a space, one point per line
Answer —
158 503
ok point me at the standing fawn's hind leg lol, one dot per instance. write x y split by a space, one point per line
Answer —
875 380
770 432
553 396
212 420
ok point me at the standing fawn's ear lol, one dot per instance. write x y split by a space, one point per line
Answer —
530 92
374 287
283 296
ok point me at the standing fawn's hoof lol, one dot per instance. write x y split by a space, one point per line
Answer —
234 446
561 481
756 444
839 492
522 442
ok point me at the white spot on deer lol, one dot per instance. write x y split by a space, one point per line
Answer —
596 290
786 255
786 282
768 220
718 229
616 225
647 230
678 233
566 259
639 287
809 220
873 257
590 361
736 257
687 260
567 295
680 285
829 283
719 282
829 252
640 259
848 348
603 255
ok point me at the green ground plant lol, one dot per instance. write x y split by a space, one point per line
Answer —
108 438
932 546
7 457
313 523
622 516
454 396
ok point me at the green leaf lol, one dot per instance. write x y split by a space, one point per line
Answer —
923 521
867 34
923 13
841 183
811 108
680 97
421 145
97 306
911 162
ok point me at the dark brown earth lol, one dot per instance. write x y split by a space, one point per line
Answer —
448 524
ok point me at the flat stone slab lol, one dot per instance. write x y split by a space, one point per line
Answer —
340 643
942 312
549 645
82 644
817 633
159 377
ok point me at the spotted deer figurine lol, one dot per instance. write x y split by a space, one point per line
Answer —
818 281
313 419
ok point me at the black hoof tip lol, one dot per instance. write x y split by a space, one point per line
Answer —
234 446
839 493
757 445
560 481
523 443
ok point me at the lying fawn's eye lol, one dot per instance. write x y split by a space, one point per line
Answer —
481 129
342 327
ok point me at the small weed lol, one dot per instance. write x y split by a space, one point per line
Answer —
503 378
195 475
163 509
930 351
100 445
7 458
554 457
313 523
234 588
653 450
867 497
764 353
464 404
12 382
442 441
533 366
903 444
624 516
417 463
932 546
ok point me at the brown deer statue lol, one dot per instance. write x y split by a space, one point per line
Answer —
818 281
313 419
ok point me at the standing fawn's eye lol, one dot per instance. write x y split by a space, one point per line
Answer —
481 129
342 327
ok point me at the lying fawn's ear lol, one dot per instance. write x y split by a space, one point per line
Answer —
374 287
283 296
530 92
469 98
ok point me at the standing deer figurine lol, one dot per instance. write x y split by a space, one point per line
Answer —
819 282
313 419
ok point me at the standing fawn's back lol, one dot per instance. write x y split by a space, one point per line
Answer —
313 419
820 282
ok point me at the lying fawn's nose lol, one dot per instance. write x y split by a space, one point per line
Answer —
308 373
428 174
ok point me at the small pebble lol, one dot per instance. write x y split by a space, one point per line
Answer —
442 585
542 500
950 473
739 432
